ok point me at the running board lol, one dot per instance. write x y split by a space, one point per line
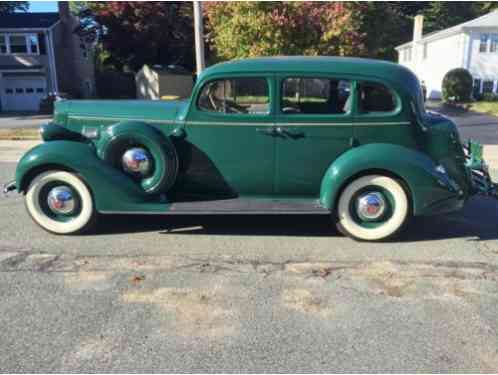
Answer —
238 206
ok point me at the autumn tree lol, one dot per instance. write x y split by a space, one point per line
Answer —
244 29
136 33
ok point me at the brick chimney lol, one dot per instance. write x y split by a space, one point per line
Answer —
64 13
418 26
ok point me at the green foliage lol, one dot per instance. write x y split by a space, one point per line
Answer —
12 6
489 97
245 29
457 85
132 34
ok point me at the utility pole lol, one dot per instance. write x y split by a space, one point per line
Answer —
199 37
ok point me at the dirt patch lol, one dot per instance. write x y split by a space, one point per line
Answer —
83 281
306 301
196 312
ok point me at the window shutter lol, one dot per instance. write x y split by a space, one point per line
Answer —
41 44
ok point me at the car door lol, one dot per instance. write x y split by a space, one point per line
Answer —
230 137
315 123
380 116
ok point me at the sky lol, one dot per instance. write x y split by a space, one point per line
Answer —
42 6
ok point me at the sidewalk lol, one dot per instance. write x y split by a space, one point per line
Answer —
11 151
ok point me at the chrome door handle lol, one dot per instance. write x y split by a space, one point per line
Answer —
292 133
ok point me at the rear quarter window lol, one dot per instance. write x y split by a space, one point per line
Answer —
375 97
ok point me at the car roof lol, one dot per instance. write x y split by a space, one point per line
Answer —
396 74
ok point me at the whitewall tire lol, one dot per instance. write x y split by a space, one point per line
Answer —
372 208
60 203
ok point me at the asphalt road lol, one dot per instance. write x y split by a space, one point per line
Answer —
248 294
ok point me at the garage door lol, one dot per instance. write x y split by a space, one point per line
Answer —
22 94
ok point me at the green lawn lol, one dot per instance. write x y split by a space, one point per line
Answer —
485 107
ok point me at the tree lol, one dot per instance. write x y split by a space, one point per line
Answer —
12 6
244 29
136 33
444 14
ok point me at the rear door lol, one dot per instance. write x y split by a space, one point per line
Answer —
314 116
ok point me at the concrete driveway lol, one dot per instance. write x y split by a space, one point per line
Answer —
248 294
22 120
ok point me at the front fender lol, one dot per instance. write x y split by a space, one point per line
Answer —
112 190
426 185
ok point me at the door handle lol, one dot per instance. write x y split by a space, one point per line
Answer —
291 133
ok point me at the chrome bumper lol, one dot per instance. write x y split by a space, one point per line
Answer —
9 186
479 171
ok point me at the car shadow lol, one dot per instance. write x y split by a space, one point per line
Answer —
478 221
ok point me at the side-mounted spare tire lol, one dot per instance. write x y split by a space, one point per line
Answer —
128 136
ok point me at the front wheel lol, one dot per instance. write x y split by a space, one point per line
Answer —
372 208
60 203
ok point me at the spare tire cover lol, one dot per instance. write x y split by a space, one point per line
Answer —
120 137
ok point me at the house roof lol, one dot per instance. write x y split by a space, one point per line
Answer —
488 20
28 20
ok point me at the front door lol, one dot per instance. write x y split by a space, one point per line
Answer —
230 138
315 123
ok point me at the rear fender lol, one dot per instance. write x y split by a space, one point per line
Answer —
112 190
415 169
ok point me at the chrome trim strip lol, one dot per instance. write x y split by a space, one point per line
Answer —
119 118
212 123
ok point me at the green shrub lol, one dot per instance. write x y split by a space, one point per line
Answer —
457 85
489 97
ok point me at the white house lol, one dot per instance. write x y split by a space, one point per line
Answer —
472 45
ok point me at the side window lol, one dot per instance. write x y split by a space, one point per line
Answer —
315 96
236 95
375 97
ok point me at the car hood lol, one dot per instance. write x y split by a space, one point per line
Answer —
157 110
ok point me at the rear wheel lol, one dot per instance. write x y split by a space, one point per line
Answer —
372 208
60 203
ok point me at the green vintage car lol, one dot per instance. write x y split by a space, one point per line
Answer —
344 137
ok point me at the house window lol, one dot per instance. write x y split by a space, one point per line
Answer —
3 44
493 47
424 53
18 44
487 86
407 54
33 44
483 46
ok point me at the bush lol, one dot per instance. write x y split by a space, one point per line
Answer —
489 97
457 85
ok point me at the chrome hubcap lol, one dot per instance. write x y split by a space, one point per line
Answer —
371 206
137 160
61 200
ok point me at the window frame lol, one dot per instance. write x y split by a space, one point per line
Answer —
284 77
484 43
398 108
29 46
269 84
